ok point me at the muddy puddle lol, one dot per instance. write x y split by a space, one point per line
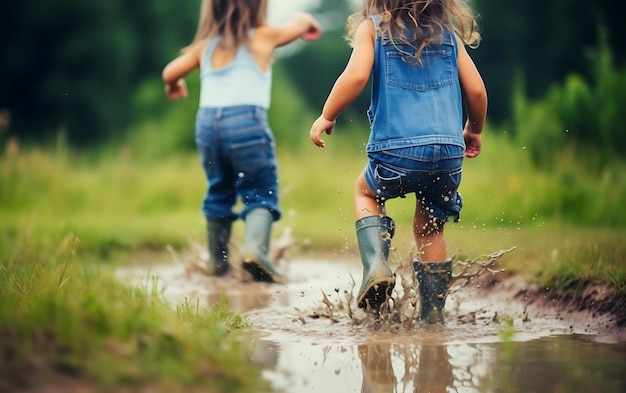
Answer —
311 337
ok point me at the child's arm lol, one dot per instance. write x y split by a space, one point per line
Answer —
177 69
475 96
301 25
350 83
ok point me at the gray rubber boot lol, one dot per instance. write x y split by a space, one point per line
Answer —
433 286
218 236
374 235
256 246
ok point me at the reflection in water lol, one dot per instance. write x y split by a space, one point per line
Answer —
573 364
378 375
423 368
433 371
565 363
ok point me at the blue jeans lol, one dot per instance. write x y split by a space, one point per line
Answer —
431 172
236 147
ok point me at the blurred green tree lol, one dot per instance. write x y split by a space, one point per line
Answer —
541 42
71 67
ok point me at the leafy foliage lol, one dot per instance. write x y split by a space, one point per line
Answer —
542 42
581 117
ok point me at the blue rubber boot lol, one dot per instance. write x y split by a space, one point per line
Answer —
218 236
433 281
256 246
374 235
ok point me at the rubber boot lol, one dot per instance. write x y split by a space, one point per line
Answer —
256 246
433 281
374 235
218 236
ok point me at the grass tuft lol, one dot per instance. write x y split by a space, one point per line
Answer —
59 315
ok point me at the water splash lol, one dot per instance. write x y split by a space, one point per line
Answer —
401 310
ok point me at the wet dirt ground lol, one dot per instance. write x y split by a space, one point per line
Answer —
499 335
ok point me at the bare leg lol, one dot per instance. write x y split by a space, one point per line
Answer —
431 245
365 202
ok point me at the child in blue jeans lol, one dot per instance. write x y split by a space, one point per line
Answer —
233 48
421 74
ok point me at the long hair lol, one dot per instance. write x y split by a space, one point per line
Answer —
231 20
431 16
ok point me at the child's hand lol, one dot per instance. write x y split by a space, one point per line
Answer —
314 32
175 90
320 126
473 143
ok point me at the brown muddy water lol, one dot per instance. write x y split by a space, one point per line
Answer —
311 337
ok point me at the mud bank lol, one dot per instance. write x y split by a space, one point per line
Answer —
596 301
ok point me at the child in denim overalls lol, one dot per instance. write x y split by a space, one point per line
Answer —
233 48
421 71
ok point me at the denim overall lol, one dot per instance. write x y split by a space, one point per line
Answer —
416 141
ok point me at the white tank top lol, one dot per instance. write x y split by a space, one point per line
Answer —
240 82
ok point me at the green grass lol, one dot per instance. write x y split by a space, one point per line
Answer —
60 315
112 204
